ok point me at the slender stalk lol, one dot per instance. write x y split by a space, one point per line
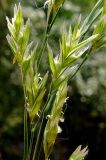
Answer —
42 50
25 134
51 24
25 122
30 145
32 136
85 58
42 123
48 29
35 127
40 132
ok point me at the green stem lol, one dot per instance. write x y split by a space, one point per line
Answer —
42 50
34 128
31 144
39 139
25 134
48 29
25 122
42 122
32 137
85 58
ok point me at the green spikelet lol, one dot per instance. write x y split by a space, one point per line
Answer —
52 127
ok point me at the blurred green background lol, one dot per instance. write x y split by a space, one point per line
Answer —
85 113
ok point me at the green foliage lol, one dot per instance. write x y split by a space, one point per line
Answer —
44 103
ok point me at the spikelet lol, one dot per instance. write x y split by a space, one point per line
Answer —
52 126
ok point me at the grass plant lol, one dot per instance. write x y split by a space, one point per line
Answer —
45 94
